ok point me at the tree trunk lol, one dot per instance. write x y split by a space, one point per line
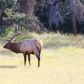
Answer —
74 23
1 20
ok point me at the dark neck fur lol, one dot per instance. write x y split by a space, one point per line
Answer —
15 47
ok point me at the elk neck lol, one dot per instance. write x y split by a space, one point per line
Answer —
15 47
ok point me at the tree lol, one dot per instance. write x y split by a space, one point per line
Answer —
77 10
59 9
9 15
31 7
4 5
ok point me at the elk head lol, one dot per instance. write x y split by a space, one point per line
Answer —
10 42
13 39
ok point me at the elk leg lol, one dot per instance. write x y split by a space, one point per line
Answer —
38 61
29 59
39 58
24 59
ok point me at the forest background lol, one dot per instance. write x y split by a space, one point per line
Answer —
65 16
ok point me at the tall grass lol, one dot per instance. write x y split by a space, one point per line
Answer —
56 40
62 61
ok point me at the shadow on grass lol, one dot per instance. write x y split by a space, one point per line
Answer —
10 66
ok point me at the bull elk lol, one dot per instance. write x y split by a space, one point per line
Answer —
26 47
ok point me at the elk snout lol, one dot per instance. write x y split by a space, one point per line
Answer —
4 46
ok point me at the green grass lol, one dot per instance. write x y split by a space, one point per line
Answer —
62 61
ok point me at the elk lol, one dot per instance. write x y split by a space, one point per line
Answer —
26 47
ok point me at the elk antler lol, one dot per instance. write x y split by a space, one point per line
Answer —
18 33
15 35
6 39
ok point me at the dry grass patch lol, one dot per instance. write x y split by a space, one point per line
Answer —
62 62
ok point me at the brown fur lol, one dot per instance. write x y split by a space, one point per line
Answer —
26 47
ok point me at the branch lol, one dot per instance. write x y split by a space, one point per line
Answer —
58 1
66 15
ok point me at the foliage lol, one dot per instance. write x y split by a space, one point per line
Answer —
5 3
12 16
20 19
59 11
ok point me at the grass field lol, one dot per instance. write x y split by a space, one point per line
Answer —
62 61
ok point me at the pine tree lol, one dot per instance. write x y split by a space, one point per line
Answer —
9 15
